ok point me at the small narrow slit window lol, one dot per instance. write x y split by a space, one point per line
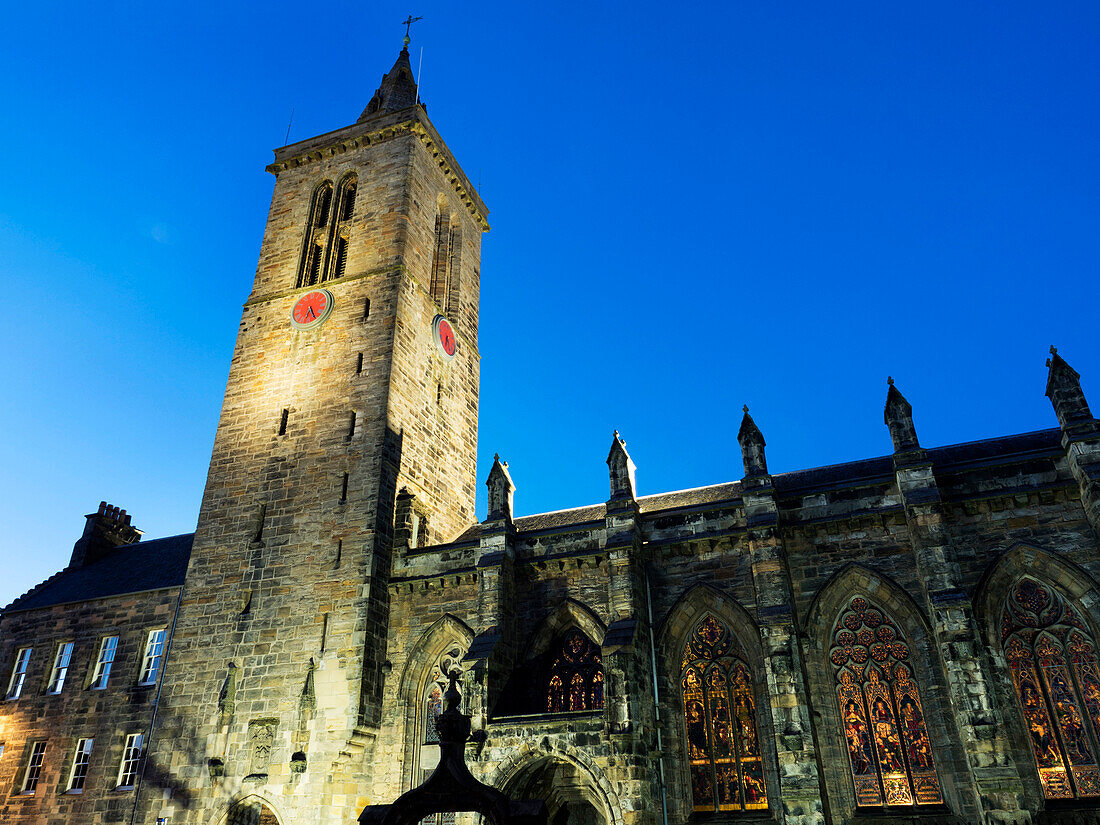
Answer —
258 525
34 769
131 756
78 773
351 425
344 489
339 554
104 662
366 309
283 419
359 365
60 667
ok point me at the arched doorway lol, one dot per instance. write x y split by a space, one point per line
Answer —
251 812
570 794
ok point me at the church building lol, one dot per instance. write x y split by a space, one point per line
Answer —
906 638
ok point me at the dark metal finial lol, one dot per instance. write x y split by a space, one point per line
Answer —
890 380
452 698
408 25
746 408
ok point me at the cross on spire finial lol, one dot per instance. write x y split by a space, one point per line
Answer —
408 25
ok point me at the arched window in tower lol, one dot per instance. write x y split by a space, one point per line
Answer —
341 233
311 266
1055 673
574 680
441 257
881 712
720 722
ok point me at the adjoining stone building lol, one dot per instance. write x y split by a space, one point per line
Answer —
906 638
86 649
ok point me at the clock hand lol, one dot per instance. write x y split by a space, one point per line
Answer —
311 314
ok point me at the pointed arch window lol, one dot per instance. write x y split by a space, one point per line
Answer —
1052 656
574 681
325 249
446 260
311 266
720 722
889 751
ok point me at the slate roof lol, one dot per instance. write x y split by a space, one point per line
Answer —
132 568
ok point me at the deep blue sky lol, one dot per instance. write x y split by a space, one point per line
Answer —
772 203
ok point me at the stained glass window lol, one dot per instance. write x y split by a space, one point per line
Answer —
720 720
432 711
1052 656
575 678
889 751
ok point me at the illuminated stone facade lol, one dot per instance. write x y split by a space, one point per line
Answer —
908 638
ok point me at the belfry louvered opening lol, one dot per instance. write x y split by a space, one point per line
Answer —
326 245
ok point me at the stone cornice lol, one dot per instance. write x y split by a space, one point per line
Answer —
411 121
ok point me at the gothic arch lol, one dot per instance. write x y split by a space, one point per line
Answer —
675 630
1073 583
433 644
852 581
250 809
1050 568
570 613
691 607
529 768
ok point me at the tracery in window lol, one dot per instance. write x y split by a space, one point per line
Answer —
311 266
727 773
889 751
437 686
574 680
1052 656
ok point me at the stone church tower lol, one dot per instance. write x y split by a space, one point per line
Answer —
353 389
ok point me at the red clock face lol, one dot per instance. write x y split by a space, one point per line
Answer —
445 336
312 308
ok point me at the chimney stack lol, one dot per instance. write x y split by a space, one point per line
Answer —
107 528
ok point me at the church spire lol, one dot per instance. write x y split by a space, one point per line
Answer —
397 90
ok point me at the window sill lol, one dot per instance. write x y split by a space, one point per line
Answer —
74 791
123 788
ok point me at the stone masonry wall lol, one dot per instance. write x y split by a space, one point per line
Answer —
79 711
285 609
